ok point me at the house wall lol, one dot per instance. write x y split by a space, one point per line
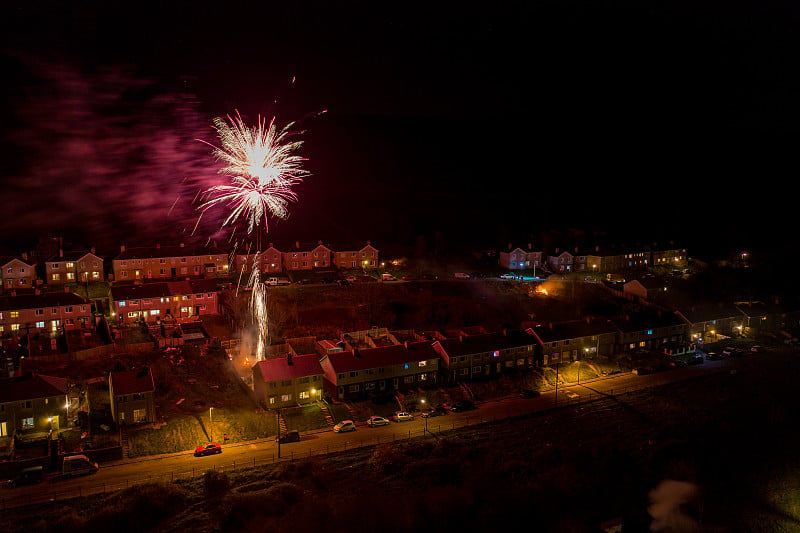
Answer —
32 415
164 308
45 319
124 407
162 268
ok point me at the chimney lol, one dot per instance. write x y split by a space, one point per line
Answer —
509 246
93 250
319 242
505 332
122 248
297 244
60 252
24 256
530 246
368 243
181 245
270 245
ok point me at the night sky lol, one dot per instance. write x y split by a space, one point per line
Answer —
464 123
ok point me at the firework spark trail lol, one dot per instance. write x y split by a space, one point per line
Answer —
262 167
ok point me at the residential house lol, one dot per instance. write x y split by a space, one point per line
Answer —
74 266
668 256
649 288
759 318
354 257
520 259
271 260
170 263
169 300
561 262
288 381
32 403
486 355
132 396
710 323
18 273
357 374
49 312
575 340
305 256
614 259
649 330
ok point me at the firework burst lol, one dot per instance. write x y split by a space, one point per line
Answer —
263 167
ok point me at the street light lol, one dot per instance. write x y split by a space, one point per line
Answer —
422 401
278 414
210 425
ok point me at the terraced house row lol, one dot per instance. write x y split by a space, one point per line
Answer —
366 363
184 261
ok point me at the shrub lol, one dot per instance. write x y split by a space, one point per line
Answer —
216 483
139 508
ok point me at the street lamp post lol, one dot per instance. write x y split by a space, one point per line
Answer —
278 415
210 424
422 401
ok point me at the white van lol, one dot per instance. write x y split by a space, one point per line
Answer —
77 465
388 277
277 281
461 275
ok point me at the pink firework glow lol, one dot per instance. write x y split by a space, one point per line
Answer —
262 166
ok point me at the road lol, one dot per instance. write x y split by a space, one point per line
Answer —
121 474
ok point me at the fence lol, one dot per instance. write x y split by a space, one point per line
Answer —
433 429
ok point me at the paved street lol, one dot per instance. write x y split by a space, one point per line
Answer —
120 474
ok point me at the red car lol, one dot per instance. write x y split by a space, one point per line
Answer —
209 449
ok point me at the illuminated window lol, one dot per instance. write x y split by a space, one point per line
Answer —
56 277
14 314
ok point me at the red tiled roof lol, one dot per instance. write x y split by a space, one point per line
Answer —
30 387
279 368
383 356
132 381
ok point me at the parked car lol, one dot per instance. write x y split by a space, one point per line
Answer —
463 405
409 277
508 276
77 465
529 393
429 276
290 436
713 356
375 421
274 281
436 411
388 277
343 282
461 275
209 449
402 416
344 426
28 476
